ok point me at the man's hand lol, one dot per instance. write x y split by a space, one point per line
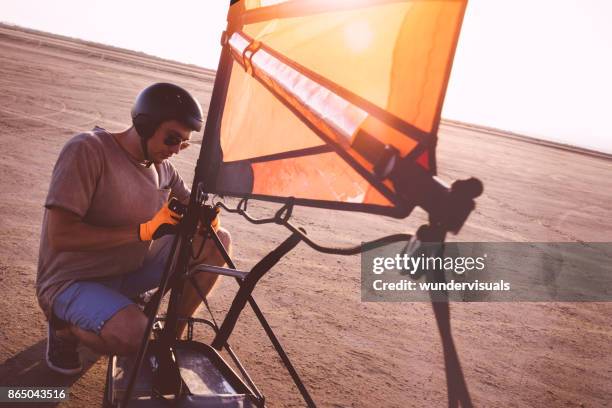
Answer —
161 224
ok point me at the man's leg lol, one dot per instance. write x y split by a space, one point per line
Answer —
99 317
103 318
121 335
149 275
190 299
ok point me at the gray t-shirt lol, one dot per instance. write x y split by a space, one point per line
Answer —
95 178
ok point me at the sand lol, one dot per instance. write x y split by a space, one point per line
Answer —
349 353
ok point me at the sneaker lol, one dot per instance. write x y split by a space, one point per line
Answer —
62 356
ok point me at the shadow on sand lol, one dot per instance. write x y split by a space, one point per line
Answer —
29 369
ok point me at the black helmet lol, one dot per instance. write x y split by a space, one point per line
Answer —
161 102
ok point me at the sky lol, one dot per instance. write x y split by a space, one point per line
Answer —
541 68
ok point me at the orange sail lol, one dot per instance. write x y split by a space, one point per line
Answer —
322 99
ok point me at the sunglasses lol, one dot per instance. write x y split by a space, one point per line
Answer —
174 139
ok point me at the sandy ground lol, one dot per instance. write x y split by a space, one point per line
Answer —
349 353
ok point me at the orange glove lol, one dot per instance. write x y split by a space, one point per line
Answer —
161 224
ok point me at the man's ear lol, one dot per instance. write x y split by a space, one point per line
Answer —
145 126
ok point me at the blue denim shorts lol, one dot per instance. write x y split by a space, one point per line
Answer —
89 304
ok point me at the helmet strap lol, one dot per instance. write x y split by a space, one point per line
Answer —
145 129
145 151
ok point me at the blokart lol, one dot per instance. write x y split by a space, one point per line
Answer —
294 121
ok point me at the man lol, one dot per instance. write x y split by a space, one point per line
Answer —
101 241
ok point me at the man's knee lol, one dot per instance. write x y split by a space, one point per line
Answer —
123 333
225 237
214 257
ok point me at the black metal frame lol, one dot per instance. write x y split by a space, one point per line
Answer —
448 209
246 381
247 282
176 273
